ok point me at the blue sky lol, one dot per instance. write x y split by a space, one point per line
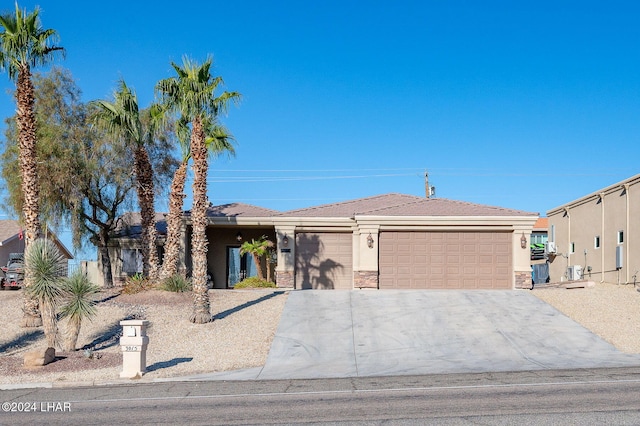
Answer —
525 105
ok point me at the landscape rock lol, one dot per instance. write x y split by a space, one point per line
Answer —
39 357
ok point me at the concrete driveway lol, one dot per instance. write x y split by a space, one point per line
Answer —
357 333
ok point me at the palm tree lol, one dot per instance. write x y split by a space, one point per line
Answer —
122 118
46 266
78 305
218 141
24 44
257 249
192 95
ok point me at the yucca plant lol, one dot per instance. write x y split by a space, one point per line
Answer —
78 304
46 266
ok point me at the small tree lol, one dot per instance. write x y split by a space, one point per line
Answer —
46 265
79 304
257 249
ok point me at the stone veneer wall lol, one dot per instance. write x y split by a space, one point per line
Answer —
523 280
365 279
284 279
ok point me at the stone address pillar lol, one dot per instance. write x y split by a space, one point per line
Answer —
134 343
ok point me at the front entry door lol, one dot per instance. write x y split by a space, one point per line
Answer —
239 266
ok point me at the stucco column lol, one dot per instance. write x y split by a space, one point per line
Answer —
365 256
521 257
286 246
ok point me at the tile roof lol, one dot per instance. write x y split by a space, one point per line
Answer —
129 222
403 205
129 225
392 204
9 229
238 209
541 224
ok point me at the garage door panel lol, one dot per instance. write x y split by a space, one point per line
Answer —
486 259
470 270
502 249
445 260
324 260
437 248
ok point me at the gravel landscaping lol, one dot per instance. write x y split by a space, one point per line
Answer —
241 335
611 311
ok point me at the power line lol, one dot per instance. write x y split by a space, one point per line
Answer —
243 179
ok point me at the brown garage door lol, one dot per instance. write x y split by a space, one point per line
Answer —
445 260
324 261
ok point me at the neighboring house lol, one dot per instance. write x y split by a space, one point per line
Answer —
390 241
597 236
539 261
124 247
11 241
539 237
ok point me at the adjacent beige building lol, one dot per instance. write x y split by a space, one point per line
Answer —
597 237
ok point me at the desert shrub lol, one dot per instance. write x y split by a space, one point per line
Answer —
46 266
176 283
254 282
78 305
136 284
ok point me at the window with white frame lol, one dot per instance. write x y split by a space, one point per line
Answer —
620 237
596 242
572 248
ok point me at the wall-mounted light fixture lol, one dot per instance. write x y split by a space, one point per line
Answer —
285 240
523 241
370 241
239 236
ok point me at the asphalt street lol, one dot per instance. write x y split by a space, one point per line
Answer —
587 396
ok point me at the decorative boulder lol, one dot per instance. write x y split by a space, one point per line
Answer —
39 357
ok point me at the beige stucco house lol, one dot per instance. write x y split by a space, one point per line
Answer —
597 236
390 241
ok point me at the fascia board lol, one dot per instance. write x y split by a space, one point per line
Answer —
238 220
8 240
314 221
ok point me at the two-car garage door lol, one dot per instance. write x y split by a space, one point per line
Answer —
409 260
445 260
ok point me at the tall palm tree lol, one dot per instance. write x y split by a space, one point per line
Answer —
192 95
24 44
218 141
122 118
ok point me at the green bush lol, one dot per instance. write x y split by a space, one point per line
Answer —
254 282
176 283
136 284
